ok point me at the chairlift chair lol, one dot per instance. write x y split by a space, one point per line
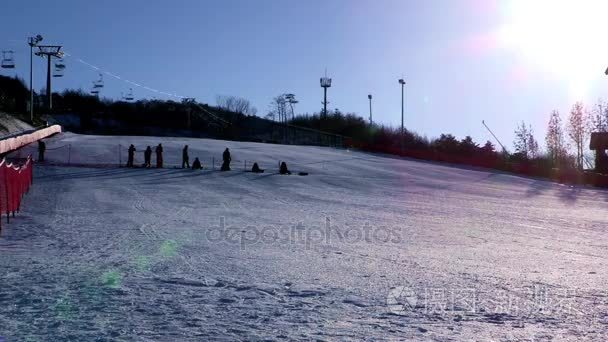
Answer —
59 68
99 82
8 61
129 96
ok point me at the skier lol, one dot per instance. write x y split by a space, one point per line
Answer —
256 168
196 165
227 159
283 170
41 150
148 157
159 156
185 158
131 155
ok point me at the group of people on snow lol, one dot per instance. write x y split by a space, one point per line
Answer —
196 165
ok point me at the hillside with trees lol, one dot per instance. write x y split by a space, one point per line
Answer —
235 118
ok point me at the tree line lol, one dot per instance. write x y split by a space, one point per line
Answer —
563 148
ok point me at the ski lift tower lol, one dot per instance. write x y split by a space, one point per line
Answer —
49 51
32 42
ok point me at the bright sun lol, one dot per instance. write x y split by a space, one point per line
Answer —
568 38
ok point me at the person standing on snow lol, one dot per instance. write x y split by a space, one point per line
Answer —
159 156
148 157
41 150
227 159
185 158
131 156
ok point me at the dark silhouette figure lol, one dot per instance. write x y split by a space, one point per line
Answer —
283 170
131 156
196 165
185 158
256 168
159 156
227 159
148 157
41 150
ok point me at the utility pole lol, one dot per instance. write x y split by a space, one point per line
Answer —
32 42
402 82
371 122
49 51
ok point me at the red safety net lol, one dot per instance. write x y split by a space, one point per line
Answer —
15 181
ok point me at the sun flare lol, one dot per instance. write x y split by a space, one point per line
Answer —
568 38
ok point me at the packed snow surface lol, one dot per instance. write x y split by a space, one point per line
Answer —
364 247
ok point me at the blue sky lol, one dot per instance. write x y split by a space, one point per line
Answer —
458 69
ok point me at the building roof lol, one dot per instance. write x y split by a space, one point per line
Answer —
599 140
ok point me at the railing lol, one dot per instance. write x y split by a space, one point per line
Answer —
15 182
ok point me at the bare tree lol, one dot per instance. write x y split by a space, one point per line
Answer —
577 130
235 104
599 117
278 108
522 140
555 140
533 149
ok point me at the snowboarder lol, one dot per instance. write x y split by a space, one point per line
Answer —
159 156
131 155
196 165
227 159
41 150
256 168
148 157
283 170
185 158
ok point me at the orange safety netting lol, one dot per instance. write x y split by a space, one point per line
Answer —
15 181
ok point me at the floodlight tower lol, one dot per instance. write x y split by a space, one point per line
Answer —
32 42
49 51
402 82
325 83
371 122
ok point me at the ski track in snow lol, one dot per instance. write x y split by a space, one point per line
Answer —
104 254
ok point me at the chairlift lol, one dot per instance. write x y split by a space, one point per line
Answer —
8 61
99 82
95 90
59 68
129 96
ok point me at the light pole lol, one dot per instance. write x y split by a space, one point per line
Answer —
32 42
402 82
371 122
49 51
325 83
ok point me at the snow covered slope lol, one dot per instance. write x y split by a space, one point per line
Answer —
9 125
365 247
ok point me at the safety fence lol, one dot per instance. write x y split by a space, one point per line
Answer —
15 182
27 137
